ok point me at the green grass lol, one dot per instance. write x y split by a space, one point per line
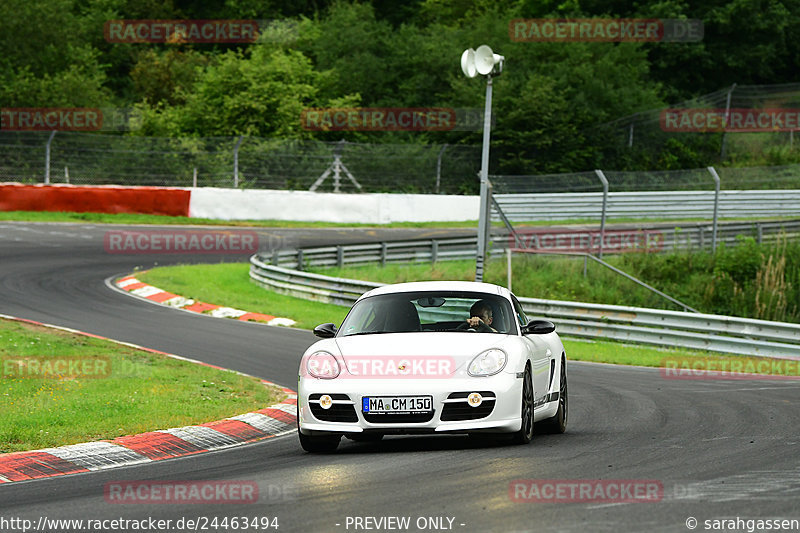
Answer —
163 220
229 284
132 391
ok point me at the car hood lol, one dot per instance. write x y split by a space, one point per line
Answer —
454 348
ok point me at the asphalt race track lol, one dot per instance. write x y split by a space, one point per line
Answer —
719 449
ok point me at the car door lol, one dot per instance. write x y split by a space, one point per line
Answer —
540 357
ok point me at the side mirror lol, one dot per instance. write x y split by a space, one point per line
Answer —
538 327
326 331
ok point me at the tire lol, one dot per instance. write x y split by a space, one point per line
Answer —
319 444
327 444
558 422
525 433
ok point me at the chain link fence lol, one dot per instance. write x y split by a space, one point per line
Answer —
641 139
247 162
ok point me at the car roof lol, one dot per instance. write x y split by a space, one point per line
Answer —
415 286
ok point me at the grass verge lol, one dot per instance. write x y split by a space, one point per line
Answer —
228 284
163 220
59 388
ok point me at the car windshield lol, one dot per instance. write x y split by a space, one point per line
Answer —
429 311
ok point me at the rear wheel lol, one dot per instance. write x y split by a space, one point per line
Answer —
525 433
558 422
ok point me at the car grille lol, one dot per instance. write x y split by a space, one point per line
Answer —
339 412
454 411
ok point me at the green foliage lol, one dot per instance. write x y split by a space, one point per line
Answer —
342 53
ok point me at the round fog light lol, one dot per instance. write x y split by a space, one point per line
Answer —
474 399
325 401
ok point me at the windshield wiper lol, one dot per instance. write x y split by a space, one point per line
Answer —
370 333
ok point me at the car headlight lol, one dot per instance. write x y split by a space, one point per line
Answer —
322 365
488 363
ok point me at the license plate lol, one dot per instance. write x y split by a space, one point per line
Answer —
380 405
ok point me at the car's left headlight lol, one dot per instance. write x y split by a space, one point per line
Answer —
488 363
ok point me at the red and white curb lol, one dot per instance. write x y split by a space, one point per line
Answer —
154 294
275 420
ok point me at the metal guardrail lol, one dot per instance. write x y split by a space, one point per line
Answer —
661 204
657 327
431 250
689 236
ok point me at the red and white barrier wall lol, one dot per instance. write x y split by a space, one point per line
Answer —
101 199
235 204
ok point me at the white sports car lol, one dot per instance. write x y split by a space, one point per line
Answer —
432 357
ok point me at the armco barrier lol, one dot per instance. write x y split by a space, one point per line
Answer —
662 204
690 236
657 327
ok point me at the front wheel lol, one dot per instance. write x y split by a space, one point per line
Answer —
326 444
525 433
558 422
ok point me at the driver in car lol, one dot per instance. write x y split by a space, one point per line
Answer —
480 317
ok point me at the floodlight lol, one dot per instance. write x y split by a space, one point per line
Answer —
468 63
485 60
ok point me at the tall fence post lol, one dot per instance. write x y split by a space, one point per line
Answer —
439 168
47 158
236 162
727 121
604 181
714 175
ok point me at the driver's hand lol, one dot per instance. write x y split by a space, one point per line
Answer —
474 321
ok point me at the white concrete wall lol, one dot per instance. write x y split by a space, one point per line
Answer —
371 208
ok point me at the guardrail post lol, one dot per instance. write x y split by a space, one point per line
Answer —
384 249
300 259
47 158
339 256
275 258
714 175
759 233
434 251
604 181
702 237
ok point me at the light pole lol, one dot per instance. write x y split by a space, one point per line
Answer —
485 62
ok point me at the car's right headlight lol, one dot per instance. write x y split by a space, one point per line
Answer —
322 365
488 363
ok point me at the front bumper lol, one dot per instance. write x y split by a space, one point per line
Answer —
449 402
